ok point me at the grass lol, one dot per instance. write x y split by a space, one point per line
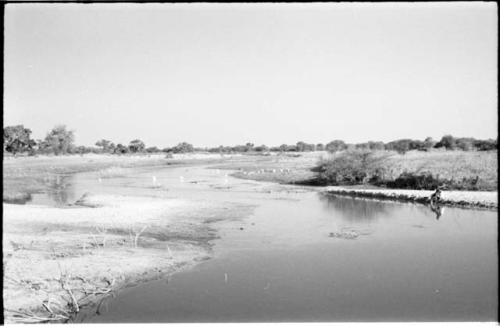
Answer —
456 170
448 164
286 168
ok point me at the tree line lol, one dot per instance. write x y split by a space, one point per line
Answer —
59 140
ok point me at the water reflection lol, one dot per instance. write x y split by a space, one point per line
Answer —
19 199
437 209
60 189
355 209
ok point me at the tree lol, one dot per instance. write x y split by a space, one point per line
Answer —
401 146
59 140
17 139
465 144
320 147
486 145
429 143
121 149
283 147
335 146
262 148
183 148
106 145
376 145
152 149
447 142
417 144
136 146
363 146
303 147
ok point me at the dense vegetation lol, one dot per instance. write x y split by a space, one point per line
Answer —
416 170
59 140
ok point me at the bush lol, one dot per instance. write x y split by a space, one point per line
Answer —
183 148
409 180
136 146
485 145
336 146
401 146
427 181
121 149
352 167
448 141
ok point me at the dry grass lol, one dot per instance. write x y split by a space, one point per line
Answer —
448 164
458 169
288 168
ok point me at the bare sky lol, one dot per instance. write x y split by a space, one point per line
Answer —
236 73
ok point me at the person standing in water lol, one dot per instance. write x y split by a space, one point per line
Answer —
436 196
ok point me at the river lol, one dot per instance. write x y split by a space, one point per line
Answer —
304 257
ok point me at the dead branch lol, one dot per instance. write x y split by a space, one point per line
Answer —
138 234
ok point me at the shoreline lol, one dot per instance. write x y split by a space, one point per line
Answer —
89 247
452 198
60 263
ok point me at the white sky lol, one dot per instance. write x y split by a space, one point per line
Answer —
235 73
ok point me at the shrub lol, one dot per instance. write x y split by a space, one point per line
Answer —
352 167
136 146
335 146
448 142
183 148
262 148
401 146
121 149
428 181
410 180
485 145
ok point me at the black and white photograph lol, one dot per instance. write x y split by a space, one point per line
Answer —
198 162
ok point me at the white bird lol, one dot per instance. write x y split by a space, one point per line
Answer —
100 180
181 178
154 180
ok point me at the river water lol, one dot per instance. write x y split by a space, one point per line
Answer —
305 257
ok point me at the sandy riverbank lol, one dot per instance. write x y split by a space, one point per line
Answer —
468 199
57 260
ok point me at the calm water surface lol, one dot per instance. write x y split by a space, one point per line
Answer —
283 264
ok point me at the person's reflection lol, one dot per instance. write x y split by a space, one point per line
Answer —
437 209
